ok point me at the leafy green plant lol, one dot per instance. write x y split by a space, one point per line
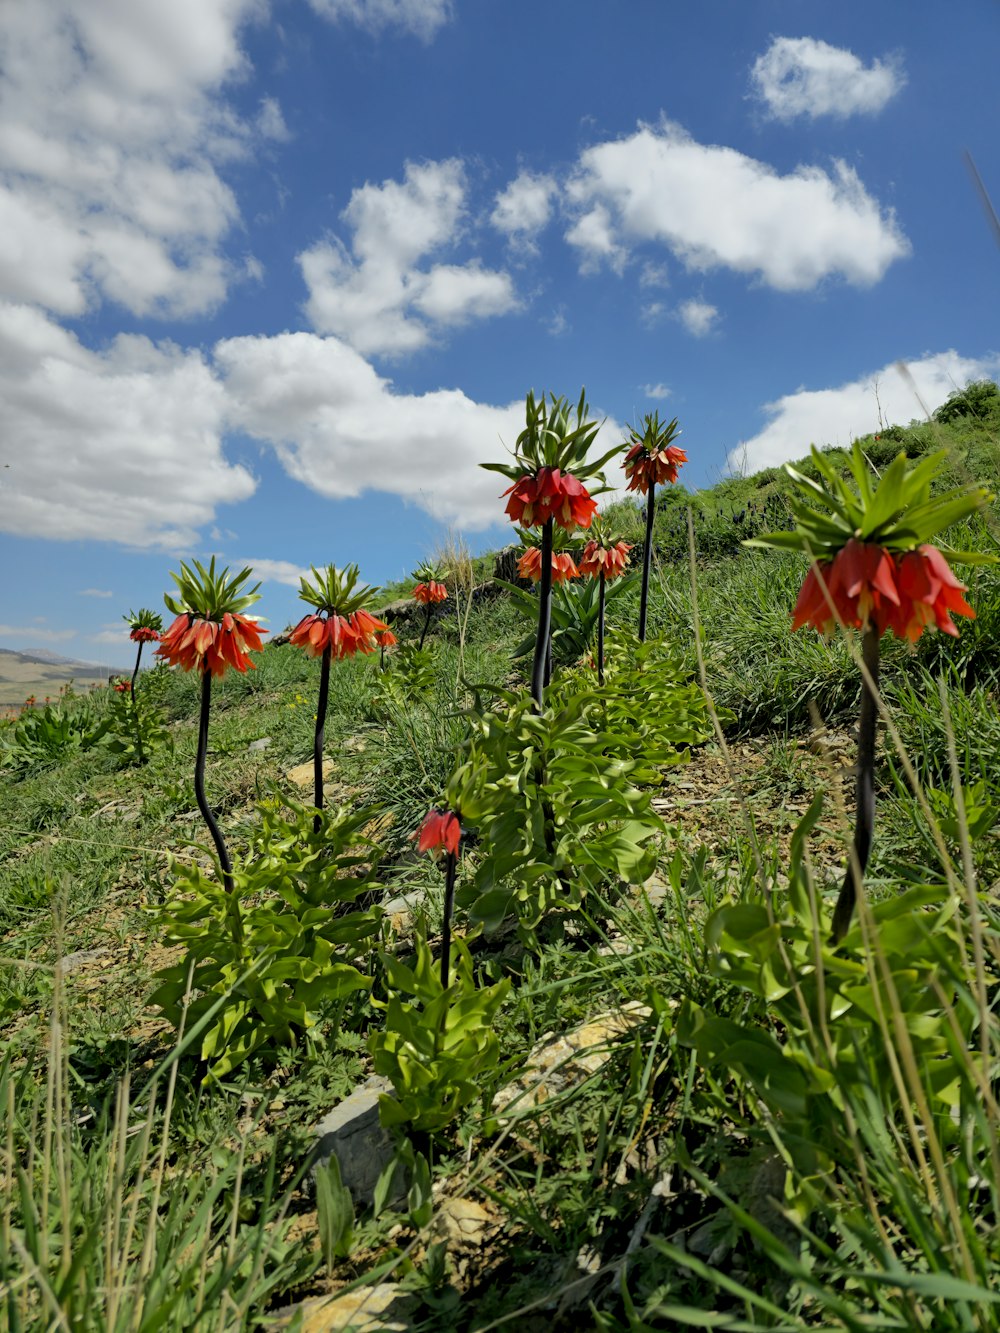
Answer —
43 737
438 1046
555 797
137 728
575 615
268 957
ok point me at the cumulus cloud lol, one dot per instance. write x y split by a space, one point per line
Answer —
656 391
524 208
714 207
421 17
121 445
802 76
271 121
275 571
373 294
95 592
698 317
113 130
836 416
339 428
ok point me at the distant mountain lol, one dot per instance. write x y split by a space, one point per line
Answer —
43 657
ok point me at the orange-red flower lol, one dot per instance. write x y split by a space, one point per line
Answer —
440 831
928 592
529 566
385 638
123 686
645 466
609 560
430 592
550 494
343 635
144 634
867 584
209 645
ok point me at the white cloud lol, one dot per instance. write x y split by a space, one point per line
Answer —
656 391
368 295
698 317
122 445
714 207
654 275
112 131
524 208
338 427
421 17
274 571
33 632
271 122
802 76
95 592
836 416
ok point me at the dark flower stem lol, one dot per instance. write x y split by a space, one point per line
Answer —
427 623
450 867
199 782
538 669
600 627
318 737
864 820
139 752
647 558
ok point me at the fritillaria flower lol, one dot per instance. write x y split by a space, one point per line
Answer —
873 569
427 593
430 591
210 634
607 560
529 566
122 686
550 494
338 627
652 458
440 832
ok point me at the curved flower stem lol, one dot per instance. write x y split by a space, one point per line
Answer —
544 619
318 736
199 783
600 627
139 752
450 867
427 623
647 557
864 820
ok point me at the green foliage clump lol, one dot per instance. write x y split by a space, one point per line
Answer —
438 1046
262 961
46 736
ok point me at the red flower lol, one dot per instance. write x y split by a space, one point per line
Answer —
644 467
439 831
343 635
859 581
144 634
928 592
611 560
430 592
192 641
123 686
529 566
385 638
866 583
550 494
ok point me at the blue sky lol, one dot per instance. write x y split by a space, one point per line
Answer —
275 277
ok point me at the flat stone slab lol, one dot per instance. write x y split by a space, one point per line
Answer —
352 1133
379 1309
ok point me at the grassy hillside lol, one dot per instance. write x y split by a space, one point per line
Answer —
25 674
714 1144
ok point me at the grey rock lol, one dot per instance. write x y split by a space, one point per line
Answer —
261 744
72 962
352 1133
